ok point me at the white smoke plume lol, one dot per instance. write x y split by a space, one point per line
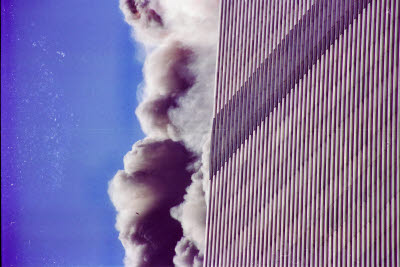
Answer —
160 195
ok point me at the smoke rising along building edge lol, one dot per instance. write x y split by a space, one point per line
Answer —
305 152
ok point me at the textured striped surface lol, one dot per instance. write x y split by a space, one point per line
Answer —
305 147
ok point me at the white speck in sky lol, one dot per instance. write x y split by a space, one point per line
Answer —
61 53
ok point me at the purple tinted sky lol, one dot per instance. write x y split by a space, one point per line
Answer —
68 94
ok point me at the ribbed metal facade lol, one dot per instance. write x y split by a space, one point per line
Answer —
305 146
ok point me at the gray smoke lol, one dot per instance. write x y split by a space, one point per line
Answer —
160 195
151 183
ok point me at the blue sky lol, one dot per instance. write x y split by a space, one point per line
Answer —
69 78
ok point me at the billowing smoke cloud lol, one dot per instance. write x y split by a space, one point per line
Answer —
160 195
154 179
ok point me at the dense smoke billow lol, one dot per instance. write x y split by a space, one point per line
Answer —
160 195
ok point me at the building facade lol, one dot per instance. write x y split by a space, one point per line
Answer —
305 146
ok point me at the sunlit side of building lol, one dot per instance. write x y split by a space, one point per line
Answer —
305 147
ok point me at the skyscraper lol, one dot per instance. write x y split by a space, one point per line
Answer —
305 145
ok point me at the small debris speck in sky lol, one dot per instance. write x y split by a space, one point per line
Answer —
61 53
